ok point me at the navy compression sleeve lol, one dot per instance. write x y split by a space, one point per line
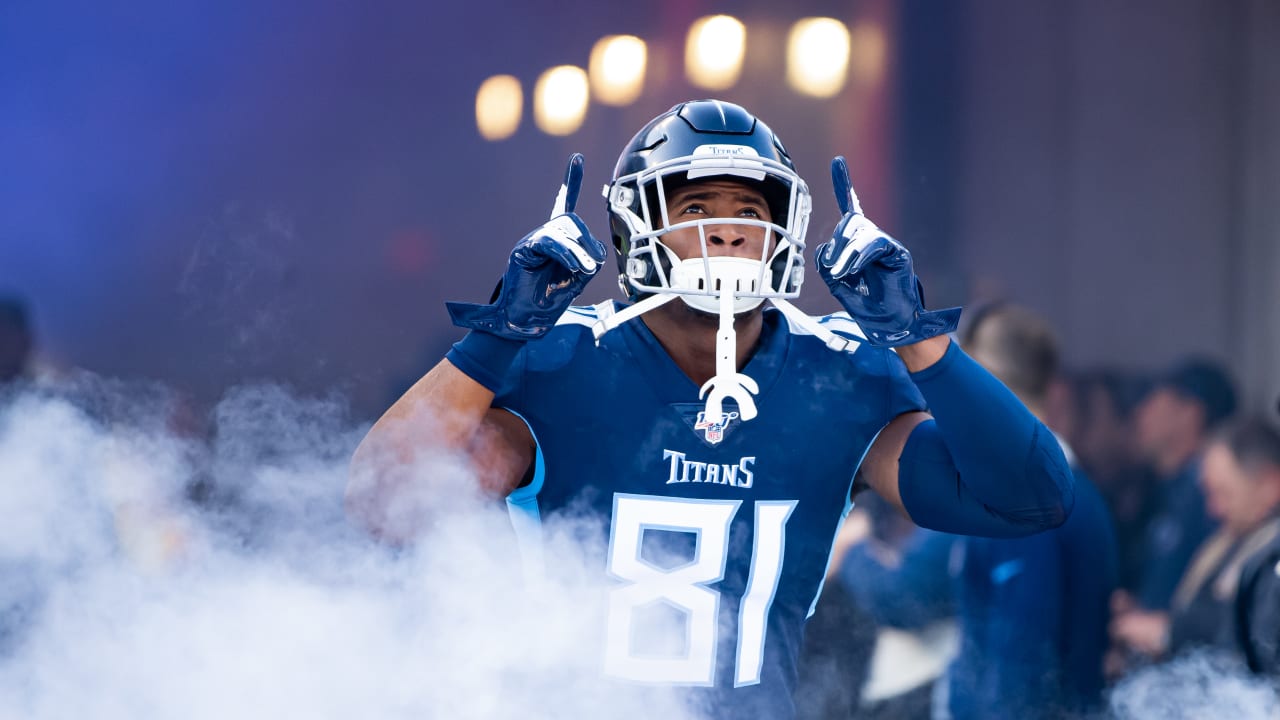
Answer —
984 465
484 357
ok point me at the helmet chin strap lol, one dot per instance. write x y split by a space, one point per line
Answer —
728 383
798 317
613 320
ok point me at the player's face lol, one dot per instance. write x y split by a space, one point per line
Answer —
718 199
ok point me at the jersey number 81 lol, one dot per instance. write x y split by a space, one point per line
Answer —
685 587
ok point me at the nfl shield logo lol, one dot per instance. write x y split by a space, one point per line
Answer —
714 427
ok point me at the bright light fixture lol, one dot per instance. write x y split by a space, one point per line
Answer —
714 50
560 100
617 69
818 56
499 102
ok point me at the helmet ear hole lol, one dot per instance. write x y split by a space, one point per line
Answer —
787 275
655 204
778 197
777 267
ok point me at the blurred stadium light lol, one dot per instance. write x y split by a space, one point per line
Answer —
714 50
560 100
617 69
817 56
499 104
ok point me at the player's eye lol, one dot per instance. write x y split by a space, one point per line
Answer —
750 212
693 209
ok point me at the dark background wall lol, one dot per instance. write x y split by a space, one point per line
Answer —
1120 170
212 193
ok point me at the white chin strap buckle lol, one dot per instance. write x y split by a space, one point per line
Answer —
709 279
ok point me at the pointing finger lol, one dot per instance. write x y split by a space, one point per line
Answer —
845 195
567 199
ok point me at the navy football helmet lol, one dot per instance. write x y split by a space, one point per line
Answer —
694 141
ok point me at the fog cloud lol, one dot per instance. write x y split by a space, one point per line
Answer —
123 598
1197 685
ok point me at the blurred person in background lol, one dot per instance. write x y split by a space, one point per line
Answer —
1174 423
1105 444
1257 605
1223 601
1064 411
839 646
897 574
1033 611
1257 609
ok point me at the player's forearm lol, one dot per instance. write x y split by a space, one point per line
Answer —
435 421
1009 475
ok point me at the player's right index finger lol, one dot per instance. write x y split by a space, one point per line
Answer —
567 199
840 181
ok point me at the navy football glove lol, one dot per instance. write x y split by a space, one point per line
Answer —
548 268
870 274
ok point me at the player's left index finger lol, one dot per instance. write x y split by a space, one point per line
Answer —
567 199
845 196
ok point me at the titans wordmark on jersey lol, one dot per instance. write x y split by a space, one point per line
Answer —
721 532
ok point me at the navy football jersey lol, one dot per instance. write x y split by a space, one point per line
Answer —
720 531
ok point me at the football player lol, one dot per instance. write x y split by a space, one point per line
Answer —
708 408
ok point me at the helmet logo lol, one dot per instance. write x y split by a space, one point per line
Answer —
725 150
726 160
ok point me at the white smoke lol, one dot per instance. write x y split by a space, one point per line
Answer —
1200 685
120 598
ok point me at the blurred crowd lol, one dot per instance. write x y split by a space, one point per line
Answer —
1172 552
1172 548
